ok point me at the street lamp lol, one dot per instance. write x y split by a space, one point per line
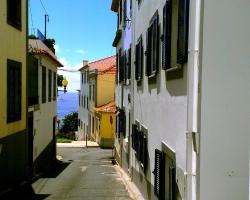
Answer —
64 84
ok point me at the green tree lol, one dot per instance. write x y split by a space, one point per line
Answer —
70 123
59 80
50 43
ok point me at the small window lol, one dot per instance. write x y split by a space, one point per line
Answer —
33 97
183 27
44 84
124 13
116 71
90 92
139 60
82 101
153 47
87 103
50 85
82 77
120 12
128 70
84 105
14 13
121 66
166 37
54 86
14 90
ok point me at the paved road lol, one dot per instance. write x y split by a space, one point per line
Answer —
84 174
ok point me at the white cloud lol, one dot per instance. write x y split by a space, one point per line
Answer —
80 51
57 48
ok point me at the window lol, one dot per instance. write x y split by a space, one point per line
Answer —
116 71
121 123
166 38
128 64
139 144
90 92
121 66
120 12
44 84
14 13
33 97
79 122
82 101
93 92
93 125
159 174
87 103
79 99
50 84
82 77
124 13
54 86
84 105
183 26
153 47
14 90
139 59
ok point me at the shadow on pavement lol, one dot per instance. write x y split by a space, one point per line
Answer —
25 192
56 170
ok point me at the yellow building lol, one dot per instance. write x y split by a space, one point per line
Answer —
97 89
14 159
107 119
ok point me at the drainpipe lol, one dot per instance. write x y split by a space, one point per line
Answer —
193 97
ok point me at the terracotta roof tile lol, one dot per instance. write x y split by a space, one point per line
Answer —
104 65
38 47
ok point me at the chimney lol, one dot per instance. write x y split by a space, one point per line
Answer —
85 62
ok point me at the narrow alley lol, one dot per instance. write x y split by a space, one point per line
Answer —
82 174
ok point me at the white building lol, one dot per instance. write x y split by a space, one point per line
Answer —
42 102
189 100
122 42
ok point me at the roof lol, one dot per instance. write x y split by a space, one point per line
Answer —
38 47
103 65
106 108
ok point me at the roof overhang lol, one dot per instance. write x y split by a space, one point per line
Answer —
115 5
118 36
41 52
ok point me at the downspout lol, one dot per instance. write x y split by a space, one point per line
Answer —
193 103
132 118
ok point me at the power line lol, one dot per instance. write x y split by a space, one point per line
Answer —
43 7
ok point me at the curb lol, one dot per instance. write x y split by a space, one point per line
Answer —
134 192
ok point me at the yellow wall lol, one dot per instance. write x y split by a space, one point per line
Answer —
12 46
105 89
106 129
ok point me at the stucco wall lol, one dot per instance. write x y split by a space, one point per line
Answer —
225 94
13 46
160 106
43 118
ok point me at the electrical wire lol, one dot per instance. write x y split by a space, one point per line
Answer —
43 7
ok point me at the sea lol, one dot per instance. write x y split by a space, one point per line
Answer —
66 103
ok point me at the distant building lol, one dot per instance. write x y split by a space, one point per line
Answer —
42 103
97 89
15 162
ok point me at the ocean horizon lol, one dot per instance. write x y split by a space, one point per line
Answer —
66 103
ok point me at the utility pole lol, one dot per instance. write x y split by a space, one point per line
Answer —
46 17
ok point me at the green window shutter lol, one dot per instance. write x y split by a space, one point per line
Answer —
50 85
183 28
44 84
159 174
166 39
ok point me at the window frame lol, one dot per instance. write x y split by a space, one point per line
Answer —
14 94
139 58
14 15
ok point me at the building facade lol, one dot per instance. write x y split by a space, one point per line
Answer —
15 165
97 77
42 103
183 109
123 42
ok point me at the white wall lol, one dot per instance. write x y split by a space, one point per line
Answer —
43 118
161 107
83 112
225 95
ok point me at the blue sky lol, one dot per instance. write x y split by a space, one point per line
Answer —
83 30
